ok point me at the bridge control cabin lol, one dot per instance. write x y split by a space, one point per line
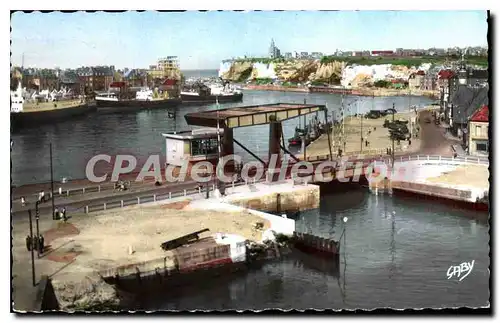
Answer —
192 146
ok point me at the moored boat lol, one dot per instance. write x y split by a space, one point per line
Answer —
203 94
144 99
26 113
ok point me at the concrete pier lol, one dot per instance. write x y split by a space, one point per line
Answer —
451 180
90 249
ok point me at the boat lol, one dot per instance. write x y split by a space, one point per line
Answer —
329 89
45 108
144 98
311 132
200 93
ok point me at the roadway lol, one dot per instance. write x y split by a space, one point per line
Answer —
433 142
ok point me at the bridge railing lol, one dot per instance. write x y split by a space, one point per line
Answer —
202 190
163 196
458 159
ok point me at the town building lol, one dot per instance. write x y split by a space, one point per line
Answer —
69 80
136 77
443 79
429 82
464 104
416 80
288 55
274 51
478 132
382 53
103 77
165 67
95 79
316 55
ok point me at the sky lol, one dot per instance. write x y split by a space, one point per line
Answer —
202 39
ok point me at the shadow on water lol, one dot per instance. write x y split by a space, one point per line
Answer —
233 287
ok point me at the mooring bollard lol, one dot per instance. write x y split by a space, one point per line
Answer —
121 203
138 200
87 209
154 197
104 206
83 190
169 195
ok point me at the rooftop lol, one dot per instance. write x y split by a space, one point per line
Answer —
481 114
250 115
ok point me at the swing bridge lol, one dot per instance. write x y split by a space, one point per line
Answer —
246 116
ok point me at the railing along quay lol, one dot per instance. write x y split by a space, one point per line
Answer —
160 197
315 160
202 190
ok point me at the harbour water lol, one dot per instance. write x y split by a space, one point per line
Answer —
396 254
77 140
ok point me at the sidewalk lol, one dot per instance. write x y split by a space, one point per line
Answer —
75 202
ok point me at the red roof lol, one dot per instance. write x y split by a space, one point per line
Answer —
117 84
481 115
169 82
375 52
446 74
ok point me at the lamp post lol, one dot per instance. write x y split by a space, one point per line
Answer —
37 218
392 137
32 251
52 196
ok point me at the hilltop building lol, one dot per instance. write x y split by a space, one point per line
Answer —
167 67
274 52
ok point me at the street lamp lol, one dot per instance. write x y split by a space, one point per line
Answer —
392 137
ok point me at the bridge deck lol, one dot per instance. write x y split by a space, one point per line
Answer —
250 115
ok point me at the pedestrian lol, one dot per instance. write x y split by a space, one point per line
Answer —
56 213
64 214
60 190
23 201
42 196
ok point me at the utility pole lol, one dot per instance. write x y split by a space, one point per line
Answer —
37 218
342 115
32 251
219 155
361 120
392 137
52 196
409 109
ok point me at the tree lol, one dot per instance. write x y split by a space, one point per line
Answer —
117 77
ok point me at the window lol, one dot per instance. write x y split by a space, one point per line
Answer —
482 146
203 147
478 131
